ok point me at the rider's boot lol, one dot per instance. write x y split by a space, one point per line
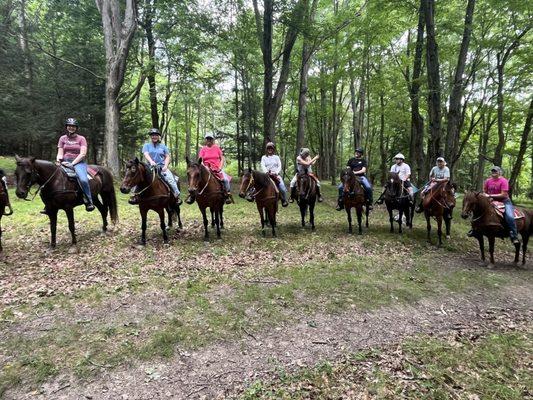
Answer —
515 239
89 207
293 194
283 198
179 202
319 196
229 198
419 208
380 199
340 204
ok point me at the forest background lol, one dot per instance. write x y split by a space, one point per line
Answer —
425 78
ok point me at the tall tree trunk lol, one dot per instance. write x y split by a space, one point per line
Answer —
433 71
148 24
524 142
118 34
455 122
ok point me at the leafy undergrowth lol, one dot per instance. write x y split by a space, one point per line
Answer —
468 364
112 302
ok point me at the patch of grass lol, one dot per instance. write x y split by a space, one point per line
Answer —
494 367
7 164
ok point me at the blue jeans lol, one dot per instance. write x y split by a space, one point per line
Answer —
83 178
169 178
509 218
366 185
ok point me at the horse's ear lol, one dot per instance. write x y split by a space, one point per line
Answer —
32 160
200 160
187 161
17 158
136 160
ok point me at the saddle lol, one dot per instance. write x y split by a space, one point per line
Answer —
500 210
71 173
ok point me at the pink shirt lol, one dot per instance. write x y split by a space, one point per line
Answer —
71 146
211 157
496 186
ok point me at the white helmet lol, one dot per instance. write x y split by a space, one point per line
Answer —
399 155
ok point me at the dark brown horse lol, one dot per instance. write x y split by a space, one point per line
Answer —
58 192
439 202
353 197
153 194
260 187
4 203
306 197
207 191
397 198
487 222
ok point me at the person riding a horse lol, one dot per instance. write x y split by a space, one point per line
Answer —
404 172
497 188
71 153
359 167
271 165
439 173
304 164
158 155
213 158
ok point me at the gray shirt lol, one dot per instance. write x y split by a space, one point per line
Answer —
438 173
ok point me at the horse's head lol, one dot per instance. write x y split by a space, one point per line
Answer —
247 185
194 178
25 175
471 202
135 174
303 184
347 179
394 185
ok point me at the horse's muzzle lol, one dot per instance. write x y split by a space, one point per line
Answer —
241 195
21 194
124 189
465 215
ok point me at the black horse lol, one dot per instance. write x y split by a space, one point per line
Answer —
4 203
306 186
396 197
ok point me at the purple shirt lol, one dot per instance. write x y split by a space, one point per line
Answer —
71 146
496 186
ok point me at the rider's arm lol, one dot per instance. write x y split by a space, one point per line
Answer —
60 153
167 161
504 195
148 158
263 165
277 168
81 156
362 171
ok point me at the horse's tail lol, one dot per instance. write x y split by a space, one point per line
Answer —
108 194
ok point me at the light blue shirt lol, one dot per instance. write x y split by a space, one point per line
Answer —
157 153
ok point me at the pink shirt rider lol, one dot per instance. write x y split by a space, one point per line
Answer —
71 146
211 157
496 186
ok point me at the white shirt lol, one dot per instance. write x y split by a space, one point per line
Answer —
403 170
271 164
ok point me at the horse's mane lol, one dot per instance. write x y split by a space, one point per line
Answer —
261 178
2 173
394 176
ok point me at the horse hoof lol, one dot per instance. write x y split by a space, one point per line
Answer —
140 246
448 237
490 266
73 250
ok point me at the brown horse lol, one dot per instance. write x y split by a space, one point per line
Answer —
207 191
487 222
58 192
397 198
153 194
4 203
439 202
354 197
260 187
306 197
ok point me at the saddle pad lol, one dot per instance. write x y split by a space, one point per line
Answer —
71 173
500 210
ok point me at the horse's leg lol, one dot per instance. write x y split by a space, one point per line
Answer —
391 219
481 247
71 226
303 209
491 250
349 215
217 222
312 215
52 215
367 211
103 212
212 218
161 212
206 222
169 211
262 216
359 211
428 225
439 229
178 214
400 219
144 213
1 231
448 224
272 218
525 239
221 217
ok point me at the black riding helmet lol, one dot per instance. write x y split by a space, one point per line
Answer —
359 150
72 121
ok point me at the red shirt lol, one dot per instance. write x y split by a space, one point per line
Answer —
496 186
211 157
71 146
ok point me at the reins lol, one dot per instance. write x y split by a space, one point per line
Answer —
32 182
147 187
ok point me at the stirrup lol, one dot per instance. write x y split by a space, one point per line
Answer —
89 207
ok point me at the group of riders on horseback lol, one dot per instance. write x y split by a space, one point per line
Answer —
72 151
